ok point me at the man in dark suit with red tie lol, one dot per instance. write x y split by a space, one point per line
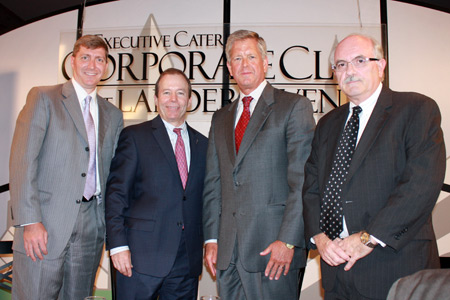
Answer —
154 200
368 211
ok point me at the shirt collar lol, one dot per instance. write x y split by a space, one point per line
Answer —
81 92
256 93
369 103
170 127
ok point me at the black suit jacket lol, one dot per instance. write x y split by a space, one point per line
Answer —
393 183
146 206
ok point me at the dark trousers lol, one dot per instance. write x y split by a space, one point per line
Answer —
344 287
176 285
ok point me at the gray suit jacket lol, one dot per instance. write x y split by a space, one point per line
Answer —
255 196
48 158
392 185
423 285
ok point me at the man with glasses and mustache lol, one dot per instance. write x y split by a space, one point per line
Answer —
372 179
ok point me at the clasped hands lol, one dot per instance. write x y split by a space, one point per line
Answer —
338 251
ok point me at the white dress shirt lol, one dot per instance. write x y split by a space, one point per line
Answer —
367 107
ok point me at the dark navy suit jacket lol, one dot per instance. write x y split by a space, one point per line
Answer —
146 206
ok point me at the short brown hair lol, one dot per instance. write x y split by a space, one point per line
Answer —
173 71
90 42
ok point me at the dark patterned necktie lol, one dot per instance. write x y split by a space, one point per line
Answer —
242 123
331 210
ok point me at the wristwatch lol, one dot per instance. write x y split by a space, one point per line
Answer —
289 246
365 239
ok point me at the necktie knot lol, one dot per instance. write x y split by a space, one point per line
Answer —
177 131
246 101
356 110
87 102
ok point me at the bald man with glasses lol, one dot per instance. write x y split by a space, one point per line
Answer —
372 179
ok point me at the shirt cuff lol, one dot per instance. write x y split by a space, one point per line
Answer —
378 241
211 241
23 225
118 250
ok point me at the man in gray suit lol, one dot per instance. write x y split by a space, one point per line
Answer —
63 144
254 177
389 187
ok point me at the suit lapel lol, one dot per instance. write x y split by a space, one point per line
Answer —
162 138
229 131
193 144
334 134
72 105
103 120
373 128
257 120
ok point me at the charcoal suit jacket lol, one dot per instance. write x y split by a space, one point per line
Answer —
393 183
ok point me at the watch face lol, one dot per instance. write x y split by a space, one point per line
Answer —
365 237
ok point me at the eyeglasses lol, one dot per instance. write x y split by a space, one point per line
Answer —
358 62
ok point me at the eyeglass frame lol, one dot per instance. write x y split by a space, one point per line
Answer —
366 59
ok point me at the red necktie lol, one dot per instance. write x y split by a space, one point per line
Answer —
180 155
242 123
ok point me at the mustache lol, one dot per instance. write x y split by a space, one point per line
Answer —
351 78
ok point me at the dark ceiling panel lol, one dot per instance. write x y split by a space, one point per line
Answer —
31 9
442 5
17 13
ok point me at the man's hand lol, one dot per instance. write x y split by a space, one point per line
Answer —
280 259
354 248
35 238
330 251
122 262
211 257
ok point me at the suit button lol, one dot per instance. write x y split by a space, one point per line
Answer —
397 237
83 174
237 183
87 149
234 214
184 198
78 201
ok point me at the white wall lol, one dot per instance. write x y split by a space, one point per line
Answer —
418 49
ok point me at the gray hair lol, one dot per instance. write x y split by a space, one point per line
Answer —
243 35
